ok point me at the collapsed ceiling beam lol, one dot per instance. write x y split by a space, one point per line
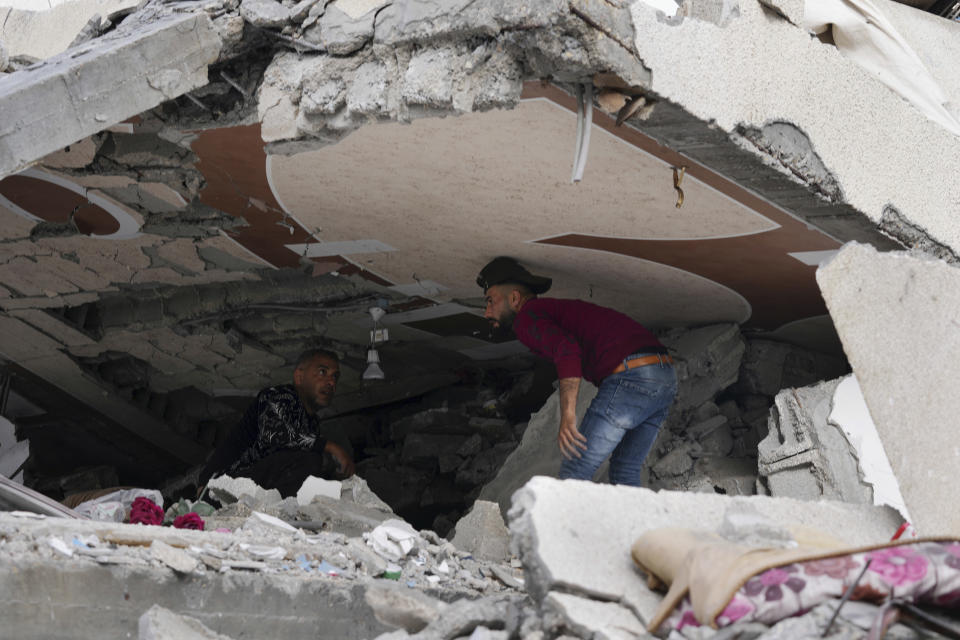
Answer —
97 84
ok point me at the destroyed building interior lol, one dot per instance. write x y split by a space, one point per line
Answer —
195 192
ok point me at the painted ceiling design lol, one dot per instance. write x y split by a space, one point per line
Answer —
421 207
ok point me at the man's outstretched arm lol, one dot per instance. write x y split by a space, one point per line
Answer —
569 438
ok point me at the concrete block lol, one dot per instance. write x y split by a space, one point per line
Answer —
592 619
707 361
770 366
267 14
428 80
179 561
313 487
341 30
355 489
100 83
802 441
401 607
483 533
230 489
158 623
575 536
872 296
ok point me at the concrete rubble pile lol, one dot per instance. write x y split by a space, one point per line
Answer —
264 567
434 455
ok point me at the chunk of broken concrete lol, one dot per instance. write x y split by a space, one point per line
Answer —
907 382
402 607
265 13
179 561
227 489
313 486
805 455
463 616
344 517
575 536
355 489
591 618
483 533
158 623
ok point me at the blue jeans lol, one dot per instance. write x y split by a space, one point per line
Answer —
623 420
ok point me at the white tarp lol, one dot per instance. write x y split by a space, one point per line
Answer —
863 34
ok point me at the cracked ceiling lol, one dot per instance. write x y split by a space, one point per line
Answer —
163 267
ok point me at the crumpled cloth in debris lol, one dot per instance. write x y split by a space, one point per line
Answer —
393 539
715 582
114 506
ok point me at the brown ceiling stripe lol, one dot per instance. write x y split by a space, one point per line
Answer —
54 203
234 163
778 287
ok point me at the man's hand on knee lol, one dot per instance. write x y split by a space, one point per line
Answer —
342 457
570 439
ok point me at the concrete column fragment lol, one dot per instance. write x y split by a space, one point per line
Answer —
88 88
896 314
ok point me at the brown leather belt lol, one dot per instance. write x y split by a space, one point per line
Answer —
643 361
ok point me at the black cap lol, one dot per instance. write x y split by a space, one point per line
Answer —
506 269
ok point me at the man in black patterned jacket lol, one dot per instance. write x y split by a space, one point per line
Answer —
278 442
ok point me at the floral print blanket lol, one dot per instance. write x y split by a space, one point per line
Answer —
924 572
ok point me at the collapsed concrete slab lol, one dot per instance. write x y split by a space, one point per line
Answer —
782 118
805 456
84 90
574 537
896 314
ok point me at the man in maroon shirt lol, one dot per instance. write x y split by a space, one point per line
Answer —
630 367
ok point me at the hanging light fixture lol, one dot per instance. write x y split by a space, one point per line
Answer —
373 370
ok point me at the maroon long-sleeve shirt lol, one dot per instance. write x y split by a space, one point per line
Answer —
583 339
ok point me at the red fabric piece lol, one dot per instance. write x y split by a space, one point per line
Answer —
189 521
145 511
